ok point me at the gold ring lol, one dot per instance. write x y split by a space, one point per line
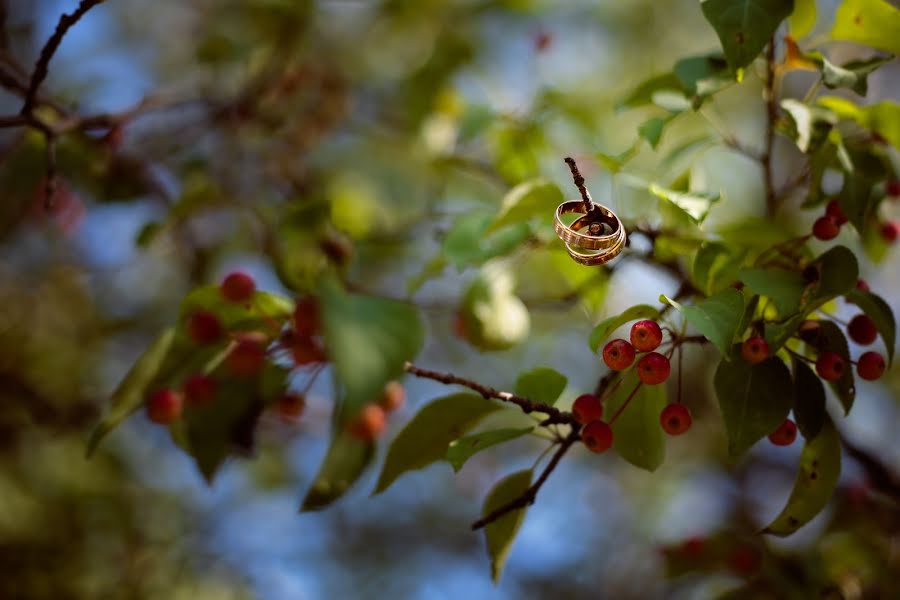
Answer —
605 254
602 215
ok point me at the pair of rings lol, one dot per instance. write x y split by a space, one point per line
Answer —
605 236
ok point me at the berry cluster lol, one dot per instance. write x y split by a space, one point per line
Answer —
828 226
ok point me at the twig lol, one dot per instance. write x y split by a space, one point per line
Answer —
771 116
529 496
39 74
589 205
528 406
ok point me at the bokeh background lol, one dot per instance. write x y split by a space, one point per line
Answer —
396 117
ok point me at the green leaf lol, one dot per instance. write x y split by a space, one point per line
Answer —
803 19
838 273
129 395
602 330
811 123
652 129
754 399
817 478
873 23
526 201
809 400
501 533
494 318
426 438
541 384
468 243
643 93
745 26
853 75
467 446
857 200
716 317
345 461
881 314
829 337
695 205
368 339
703 75
687 148
784 288
714 265
637 436
259 313
882 117
430 270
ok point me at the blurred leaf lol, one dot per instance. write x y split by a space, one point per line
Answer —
703 75
430 270
694 204
468 243
615 162
129 395
467 446
817 478
501 533
716 317
809 400
603 329
637 436
368 339
803 19
652 129
873 23
853 75
857 200
881 314
426 438
838 273
541 384
346 459
714 266
881 117
526 201
784 288
259 313
754 399
812 124
745 26
643 93
494 318
686 148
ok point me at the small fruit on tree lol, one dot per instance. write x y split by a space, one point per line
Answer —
587 408
246 358
393 396
653 368
826 228
745 560
369 424
306 316
862 285
870 366
889 231
291 406
203 327
862 330
833 209
306 350
646 335
164 406
785 434
675 419
618 355
830 366
892 188
597 436
199 389
238 287
755 349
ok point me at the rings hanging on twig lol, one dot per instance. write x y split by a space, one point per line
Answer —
598 231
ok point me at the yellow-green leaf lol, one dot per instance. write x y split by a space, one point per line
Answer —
875 23
501 533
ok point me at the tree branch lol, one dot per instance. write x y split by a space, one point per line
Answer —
41 68
527 405
769 95
529 496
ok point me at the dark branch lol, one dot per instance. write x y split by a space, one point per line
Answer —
527 405
529 496
39 74
769 95
579 183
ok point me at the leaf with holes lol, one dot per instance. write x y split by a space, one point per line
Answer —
745 26
817 478
467 446
603 329
501 533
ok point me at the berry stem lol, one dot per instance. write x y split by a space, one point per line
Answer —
680 358
833 318
796 354
625 404
312 378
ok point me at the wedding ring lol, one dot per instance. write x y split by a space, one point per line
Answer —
587 241
601 256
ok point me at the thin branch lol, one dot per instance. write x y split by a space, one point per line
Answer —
769 95
529 496
589 205
41 68
528 406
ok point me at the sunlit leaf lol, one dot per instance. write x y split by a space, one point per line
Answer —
526 201
494 318
716 317
694 204
873 23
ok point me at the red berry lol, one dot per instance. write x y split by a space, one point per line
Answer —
306 350
199 389
826 228
597 436
653 368
246 358
646 335
369 424
833 209
587 408
164 406
238 287
618 355
675 419
203 327
458 326
542 41
862 285
306 316
830 366
693 547
889 231
870 366
393 396
785 434
862 330
892 187
755 349
744 560
291 406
